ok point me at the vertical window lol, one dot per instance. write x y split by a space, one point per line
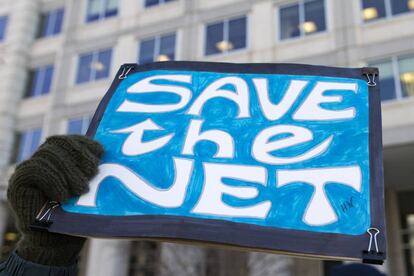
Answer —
40 81
27 142
289 22
401 6
396 77
3 25
226 36
94 66
406 75
101 9
78 125
303 18
377 9
51 23
373 10
150 3
159 48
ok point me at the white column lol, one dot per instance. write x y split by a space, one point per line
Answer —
108 257
261 31
395 254
125 52
19 36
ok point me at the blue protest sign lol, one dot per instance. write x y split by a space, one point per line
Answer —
266 156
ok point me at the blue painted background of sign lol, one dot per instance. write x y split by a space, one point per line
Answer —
349 147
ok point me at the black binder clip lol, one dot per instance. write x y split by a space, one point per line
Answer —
371 256
42 220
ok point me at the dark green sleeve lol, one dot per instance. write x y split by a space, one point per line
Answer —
16 266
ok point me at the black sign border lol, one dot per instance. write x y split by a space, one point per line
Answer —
226 233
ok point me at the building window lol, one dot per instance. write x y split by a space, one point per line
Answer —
376 9
150 3
159 48
3 26
78 125
40 81
396 77
94 66
226 36
302 18
101 9
144 259
27 142
51 23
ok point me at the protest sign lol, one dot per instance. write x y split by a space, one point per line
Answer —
274 157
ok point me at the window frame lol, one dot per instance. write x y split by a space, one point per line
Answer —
95 54
36 85
6 19
388 13
23 153
160 2
102 11
85 122
396 75
50 27
226 35
157 45
301 4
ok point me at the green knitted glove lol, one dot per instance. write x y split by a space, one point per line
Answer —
61 168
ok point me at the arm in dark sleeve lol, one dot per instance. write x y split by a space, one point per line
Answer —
17 266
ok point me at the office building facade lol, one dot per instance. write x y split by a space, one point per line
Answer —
58 57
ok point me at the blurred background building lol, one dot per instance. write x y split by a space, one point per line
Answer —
58 57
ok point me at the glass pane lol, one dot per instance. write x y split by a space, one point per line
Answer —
237 33
29 142
149 3
167 48
387 81
57 28
373 10
111 8
47 79
406 68
22 145
94 10
314 17
35 83
29 84
45 21
75 126
215 39
401 6
103 65
146 51
3 24
84 68
289 22
35 142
